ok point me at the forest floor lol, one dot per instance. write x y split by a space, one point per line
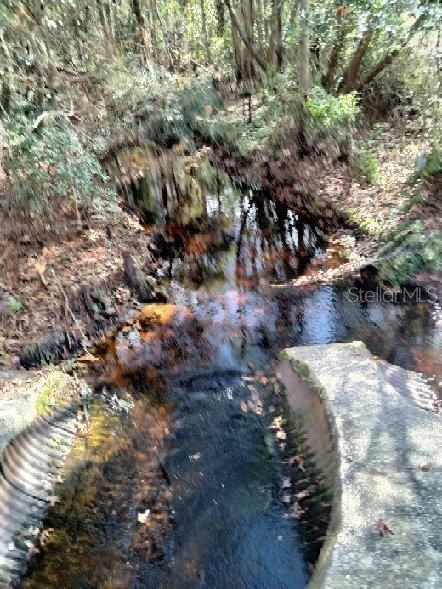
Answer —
380 210
37 299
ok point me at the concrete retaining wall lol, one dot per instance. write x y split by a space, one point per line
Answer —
388 459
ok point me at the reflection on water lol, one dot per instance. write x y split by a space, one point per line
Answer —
232 268
248 241
249 325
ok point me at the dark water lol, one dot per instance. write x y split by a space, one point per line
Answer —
230 526
230 530
230 262
241 287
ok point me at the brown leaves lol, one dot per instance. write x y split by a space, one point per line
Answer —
296 459
383 528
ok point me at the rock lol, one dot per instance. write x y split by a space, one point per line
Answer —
388 439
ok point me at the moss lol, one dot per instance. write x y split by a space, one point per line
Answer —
55 388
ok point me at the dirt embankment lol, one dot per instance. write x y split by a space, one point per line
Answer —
72 289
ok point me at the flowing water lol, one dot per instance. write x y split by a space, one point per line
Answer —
229 258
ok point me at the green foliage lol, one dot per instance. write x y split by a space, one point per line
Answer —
430 166
364 164
433 165
409 250
14 305
167 107
333 114
47 163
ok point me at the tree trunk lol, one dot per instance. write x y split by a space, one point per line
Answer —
303 74
350 77
205 31
235 23
335 53
388 59
277 32
304 51
247 18
140 23
220 17
237 54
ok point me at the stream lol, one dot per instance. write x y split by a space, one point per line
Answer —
192 458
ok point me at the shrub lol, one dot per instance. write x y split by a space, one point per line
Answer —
166 107
333 114
48 162
364 164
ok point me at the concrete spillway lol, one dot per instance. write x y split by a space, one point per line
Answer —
386 519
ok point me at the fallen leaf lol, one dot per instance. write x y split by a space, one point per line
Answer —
143 516
426 466
244 406
383 528
286 483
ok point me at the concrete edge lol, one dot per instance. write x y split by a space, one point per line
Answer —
302 370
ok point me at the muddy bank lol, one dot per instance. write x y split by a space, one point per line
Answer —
67 292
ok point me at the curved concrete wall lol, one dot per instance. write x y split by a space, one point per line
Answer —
388 458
